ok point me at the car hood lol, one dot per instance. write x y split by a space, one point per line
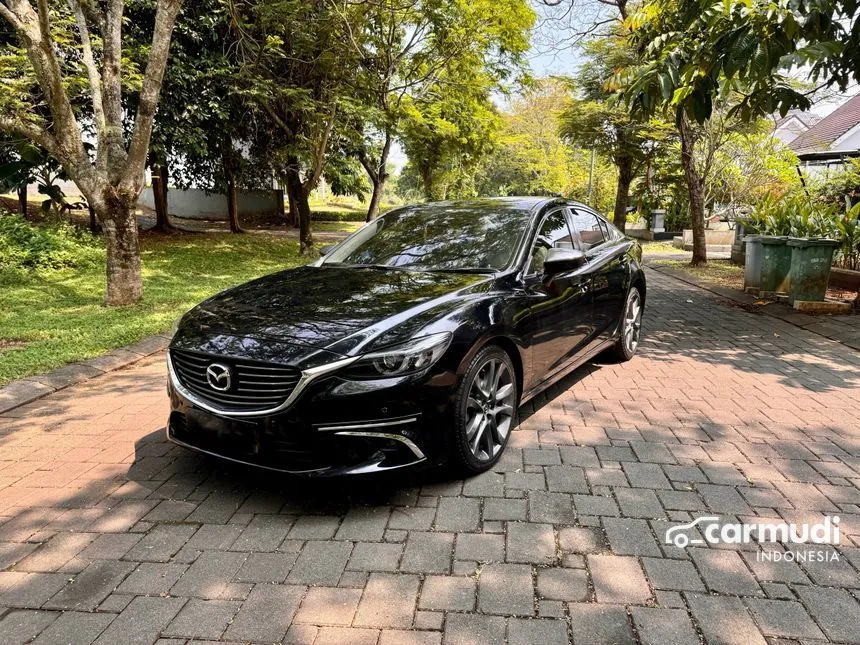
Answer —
337 308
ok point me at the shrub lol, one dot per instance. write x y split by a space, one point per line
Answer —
23 245
338 216
795 215
849 237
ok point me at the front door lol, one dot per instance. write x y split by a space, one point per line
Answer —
558 320
607 259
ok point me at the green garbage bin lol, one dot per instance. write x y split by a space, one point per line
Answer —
752 263
775 265
811 260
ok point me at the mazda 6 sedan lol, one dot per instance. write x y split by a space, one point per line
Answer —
411 342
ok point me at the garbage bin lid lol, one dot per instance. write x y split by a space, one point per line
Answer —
774 239
752 238
812 241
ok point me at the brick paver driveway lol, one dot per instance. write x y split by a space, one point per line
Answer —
111 534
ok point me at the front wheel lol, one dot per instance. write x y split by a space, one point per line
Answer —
631 326
486 410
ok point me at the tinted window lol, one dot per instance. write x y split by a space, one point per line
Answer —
436 238
553 233
589 229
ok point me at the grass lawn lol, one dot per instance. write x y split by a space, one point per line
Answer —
721 272
336 227
49 318
661 247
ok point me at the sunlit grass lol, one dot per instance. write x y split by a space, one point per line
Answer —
51 318
721 272
661 247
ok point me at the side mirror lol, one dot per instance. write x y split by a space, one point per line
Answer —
328 248
560 259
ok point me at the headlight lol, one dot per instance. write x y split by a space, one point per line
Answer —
400 360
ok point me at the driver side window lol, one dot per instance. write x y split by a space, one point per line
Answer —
553 233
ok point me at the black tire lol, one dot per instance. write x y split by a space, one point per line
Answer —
465 457
624 349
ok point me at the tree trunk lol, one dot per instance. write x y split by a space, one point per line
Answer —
227 162
124 286
293 215
94 222
622 193
377 175
22 199
303 209
427 181
232 205
695 190
375 197
159 194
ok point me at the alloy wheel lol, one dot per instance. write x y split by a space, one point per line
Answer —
490 409
633 321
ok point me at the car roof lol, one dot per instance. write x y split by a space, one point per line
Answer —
527 205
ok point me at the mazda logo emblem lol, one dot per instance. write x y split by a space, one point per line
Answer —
219 377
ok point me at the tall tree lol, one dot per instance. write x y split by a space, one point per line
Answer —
595 119
198 93
404 48
532 158
49 70
694 53
446 133
296 66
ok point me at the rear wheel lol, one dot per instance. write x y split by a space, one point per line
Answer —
631 326
486 410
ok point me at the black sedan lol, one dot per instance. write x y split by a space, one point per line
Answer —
411 342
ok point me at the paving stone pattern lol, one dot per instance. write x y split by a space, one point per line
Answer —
110 534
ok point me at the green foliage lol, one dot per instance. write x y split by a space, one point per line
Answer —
25 246
748 164
337 216
842 184
57 316
848 227
694 51
596 119
450 126
796 215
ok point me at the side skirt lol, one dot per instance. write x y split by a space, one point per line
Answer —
577 363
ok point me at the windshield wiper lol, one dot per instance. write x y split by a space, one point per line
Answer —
386 267
460 270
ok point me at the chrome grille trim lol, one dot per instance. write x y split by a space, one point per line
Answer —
190 369
306 378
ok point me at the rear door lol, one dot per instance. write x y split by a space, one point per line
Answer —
606 252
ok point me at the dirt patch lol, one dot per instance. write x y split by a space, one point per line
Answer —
9 345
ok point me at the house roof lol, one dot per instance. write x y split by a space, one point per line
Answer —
806 118
822 135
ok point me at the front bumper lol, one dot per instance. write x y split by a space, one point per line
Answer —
335 427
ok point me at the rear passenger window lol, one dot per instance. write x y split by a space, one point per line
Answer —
591 233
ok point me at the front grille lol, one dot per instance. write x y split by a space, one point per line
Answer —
254 385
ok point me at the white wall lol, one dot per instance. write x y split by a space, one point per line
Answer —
198 204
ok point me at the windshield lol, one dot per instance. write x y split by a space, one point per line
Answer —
449 238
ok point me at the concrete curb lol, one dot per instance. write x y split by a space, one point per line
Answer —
22 391
844 334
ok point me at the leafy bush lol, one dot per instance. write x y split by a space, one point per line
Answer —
849 237
338 216
841 184
24 245
795 215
